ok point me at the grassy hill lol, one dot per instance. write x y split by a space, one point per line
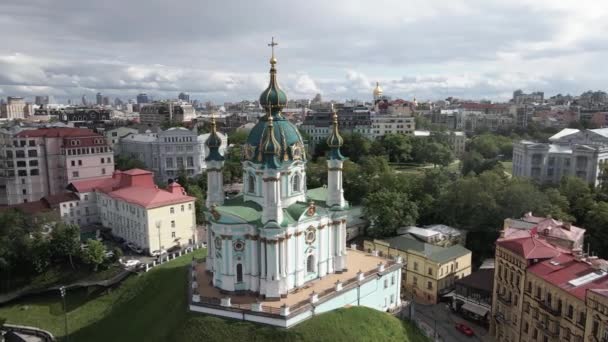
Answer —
152 307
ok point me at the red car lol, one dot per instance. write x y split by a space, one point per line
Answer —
463 328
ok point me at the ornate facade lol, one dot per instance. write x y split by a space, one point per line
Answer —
278 234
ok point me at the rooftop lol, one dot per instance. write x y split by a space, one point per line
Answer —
438 254
530 247
56 132
482 279
134 186
572 275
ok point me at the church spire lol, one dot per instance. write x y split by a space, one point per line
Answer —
213 143
335 140
273 99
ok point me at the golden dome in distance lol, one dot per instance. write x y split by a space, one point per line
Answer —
377 90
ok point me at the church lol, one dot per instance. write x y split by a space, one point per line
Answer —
278 234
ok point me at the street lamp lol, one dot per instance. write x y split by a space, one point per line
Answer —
158 224
62 291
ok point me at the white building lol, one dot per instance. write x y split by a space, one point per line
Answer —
391 124
570 152
135 209
170 152
15 108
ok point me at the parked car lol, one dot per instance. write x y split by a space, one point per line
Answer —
118 239
158 252
131 263
109 254
465 329
135 248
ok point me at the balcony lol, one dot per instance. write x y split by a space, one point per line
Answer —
548 308
544 327
505 300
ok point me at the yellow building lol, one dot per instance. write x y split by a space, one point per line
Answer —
544 291
597 315
429 270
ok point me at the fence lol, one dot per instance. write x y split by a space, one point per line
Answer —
30 331
168 257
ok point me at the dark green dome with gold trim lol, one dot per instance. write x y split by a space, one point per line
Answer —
274 140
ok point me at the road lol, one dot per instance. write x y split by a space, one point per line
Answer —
445 324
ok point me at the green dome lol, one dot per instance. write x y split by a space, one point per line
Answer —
273 99
213 143
280 140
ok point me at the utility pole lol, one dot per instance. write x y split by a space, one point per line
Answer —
62 290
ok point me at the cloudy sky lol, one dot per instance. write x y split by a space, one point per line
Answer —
217 50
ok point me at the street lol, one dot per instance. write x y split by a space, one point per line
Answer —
446 320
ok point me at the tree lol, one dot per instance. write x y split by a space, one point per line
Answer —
387 211
94 253
238 138
439 154
397 146
65 241
597 229
356 146
123 163
579 195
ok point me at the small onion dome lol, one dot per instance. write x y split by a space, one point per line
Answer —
271 147
213 143
273 99
377 90
334 140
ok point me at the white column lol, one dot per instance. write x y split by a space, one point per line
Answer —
335 193
284 257
262 258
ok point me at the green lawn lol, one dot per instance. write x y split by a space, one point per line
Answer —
152 307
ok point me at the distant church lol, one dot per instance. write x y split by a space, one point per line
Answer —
278 234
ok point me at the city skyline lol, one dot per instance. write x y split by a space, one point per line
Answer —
215 51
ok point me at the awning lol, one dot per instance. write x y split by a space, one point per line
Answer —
476 309
451 294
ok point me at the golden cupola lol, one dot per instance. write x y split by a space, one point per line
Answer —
377 90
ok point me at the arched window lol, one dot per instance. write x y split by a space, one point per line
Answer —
239 273
251 184
310 264
295 183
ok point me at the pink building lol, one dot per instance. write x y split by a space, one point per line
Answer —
42 162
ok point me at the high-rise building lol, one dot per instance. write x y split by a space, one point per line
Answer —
15 108
42 100
143 98
184 97
99 99
106 101
84 100
41 162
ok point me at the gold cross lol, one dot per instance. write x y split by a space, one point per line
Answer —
272 44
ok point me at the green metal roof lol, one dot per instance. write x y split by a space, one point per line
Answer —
438 254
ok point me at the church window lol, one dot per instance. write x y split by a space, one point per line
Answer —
251 184
239 273
218 243
239 245
310 264
295 183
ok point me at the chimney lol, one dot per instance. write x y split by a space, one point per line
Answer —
567 225
528 214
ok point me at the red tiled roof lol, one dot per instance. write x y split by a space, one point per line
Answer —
150 197
530 247
560 270
56 132
135 186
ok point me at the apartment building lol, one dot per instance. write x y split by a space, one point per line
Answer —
167 153
157 113
134 208
15 108
571 152
382 125
429 270
543 290
39 162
